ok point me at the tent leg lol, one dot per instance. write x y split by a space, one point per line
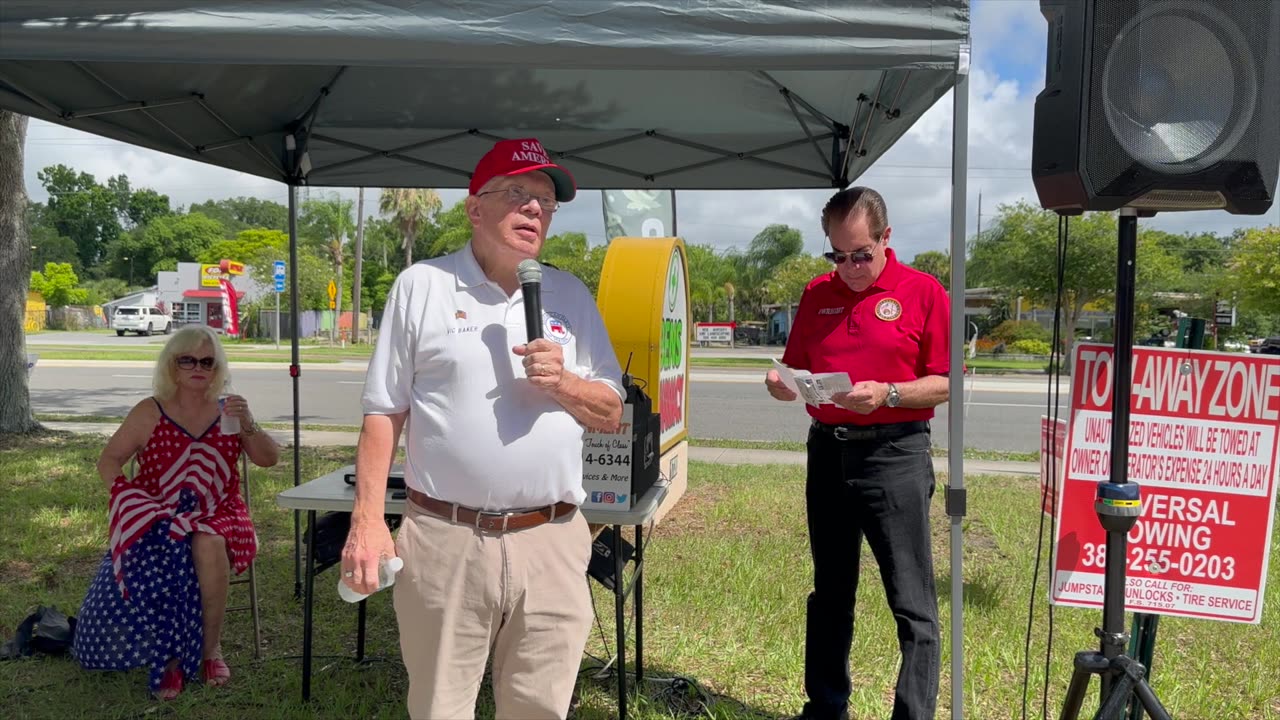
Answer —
956 499
295 371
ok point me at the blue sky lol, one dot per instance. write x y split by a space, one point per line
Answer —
1007 72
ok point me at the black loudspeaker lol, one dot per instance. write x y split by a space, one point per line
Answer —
645 425
1159 105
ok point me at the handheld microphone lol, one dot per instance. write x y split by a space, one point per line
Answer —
529 272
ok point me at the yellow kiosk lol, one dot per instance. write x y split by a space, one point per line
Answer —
644 299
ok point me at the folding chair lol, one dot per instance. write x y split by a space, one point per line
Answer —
251 576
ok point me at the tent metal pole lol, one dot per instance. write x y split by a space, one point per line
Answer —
295 372
956 499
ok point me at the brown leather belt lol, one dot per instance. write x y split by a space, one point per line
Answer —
490 521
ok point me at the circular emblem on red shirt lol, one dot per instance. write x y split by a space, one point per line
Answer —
888 309
556 328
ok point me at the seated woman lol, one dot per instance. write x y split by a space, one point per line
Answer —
177 528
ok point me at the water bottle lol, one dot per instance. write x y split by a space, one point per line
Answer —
230 424
387 569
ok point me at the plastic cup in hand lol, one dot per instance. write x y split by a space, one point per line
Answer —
387 569
230 423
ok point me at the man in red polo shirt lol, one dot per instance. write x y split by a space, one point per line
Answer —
870 472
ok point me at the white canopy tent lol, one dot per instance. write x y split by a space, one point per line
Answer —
716 94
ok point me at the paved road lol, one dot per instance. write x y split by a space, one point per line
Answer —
1003 414
36 340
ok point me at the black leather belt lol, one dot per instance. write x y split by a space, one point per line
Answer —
887 431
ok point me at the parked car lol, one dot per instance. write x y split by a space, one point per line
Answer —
1270 346
140 319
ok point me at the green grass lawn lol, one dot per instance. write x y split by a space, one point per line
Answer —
727 576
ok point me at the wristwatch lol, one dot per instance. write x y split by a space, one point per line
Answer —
894 396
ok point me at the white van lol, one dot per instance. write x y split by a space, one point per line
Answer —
140 319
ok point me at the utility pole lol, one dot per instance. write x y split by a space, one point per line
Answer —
355 280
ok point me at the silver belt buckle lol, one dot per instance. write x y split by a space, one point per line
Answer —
506 517
840 432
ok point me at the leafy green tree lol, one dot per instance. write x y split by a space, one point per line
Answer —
244 213
258 249
936 263
786 284
710 275
81 209
162 244
571 252
325 226
1255 270
146 205
48 246
59 285
1019 256
410 209
104 290
449 232
768 251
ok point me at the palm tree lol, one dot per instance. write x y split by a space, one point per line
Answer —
409 208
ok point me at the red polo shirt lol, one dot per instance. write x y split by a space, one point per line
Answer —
894 331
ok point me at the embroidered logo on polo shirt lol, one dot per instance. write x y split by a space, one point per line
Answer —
888 309
831 311
556 328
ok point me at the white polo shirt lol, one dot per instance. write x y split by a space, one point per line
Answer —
479 434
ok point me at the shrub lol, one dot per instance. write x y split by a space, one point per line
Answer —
1012 331
986 345
1030 347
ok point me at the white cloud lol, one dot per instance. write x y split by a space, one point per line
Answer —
914 176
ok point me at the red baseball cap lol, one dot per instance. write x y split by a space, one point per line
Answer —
513 157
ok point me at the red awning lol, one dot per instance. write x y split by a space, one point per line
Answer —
212 294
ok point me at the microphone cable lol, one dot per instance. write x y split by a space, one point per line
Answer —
1057 357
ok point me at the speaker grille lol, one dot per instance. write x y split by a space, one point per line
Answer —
1176 86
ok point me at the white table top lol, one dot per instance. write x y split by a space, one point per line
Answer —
331 493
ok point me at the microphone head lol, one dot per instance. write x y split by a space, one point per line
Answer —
529 271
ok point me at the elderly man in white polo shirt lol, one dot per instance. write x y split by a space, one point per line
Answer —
495 552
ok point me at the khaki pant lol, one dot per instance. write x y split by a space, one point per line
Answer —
464 594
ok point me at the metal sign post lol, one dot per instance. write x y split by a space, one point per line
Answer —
279 280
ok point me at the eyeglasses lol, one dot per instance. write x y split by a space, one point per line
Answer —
857 256
519 197
186 362
861 256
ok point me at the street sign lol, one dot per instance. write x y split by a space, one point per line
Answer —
333 295
278 276
1203 435
1224 314
279 285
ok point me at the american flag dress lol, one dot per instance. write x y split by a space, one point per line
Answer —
143 606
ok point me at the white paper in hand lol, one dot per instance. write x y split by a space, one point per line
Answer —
815 389
788 378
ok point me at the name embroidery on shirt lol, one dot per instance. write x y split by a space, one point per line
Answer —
831 311
556 328
888 309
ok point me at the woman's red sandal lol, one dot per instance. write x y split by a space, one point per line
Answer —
215 672
170 685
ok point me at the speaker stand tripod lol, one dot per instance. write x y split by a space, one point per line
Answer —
1118 504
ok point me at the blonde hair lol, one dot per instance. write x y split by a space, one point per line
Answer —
185 342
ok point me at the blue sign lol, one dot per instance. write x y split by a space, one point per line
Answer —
279 273
279 284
